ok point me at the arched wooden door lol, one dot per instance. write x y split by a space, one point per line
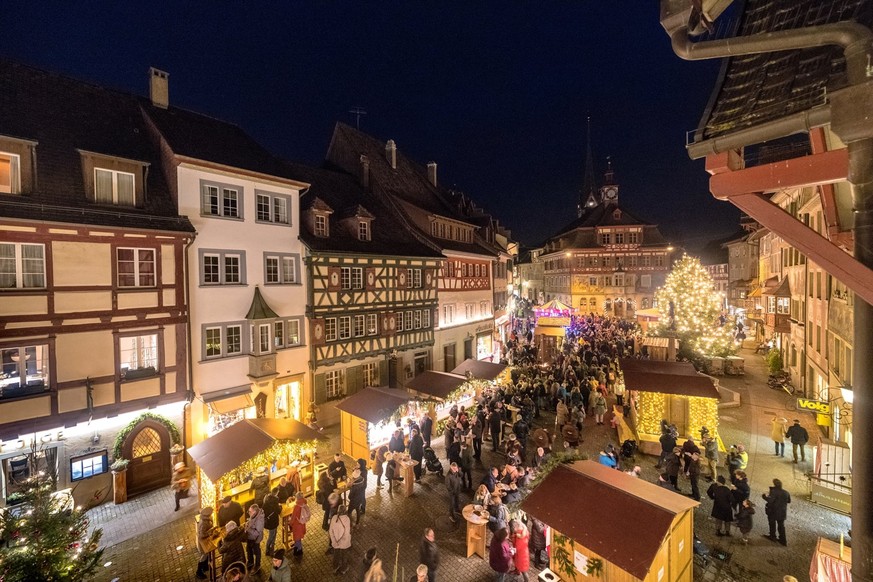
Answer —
148 448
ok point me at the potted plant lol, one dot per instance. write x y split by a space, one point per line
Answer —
119 480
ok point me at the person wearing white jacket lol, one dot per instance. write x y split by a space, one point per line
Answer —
340 531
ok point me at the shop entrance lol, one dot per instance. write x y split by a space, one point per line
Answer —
288 400
148 448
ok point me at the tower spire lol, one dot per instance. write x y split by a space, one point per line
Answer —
588 195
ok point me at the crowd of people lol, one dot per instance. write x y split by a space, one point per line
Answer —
578 386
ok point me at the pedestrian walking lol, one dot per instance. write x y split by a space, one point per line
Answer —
692 472
495 422
453 485
721 506
377 459
357 495
500 555
779 426
416 452
777 510
668 443
340 531
376 573
673 467
426 425
281 571
599 407
204 535
299 518
180 483
799 437
710 450
429 554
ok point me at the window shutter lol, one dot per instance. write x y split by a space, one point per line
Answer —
318 390
354 379
383 373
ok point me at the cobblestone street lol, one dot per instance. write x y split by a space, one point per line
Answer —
167 552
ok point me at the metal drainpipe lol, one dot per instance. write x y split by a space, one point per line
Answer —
856 41
189 396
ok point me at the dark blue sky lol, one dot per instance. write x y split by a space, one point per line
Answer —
496 93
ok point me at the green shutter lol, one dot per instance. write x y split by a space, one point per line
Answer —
354 379
318 389
383 373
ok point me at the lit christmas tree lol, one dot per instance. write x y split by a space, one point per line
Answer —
46 539
691 308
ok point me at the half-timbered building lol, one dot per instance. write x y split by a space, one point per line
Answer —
93 310
245 273
372 292
465 318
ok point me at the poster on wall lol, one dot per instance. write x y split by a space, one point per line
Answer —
580 562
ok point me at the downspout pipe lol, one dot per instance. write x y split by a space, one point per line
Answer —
857 43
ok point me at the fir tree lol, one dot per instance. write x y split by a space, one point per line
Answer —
691 308
45 539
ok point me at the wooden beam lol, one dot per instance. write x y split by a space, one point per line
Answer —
839 263
813 170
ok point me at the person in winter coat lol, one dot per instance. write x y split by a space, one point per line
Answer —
429 554
500 554
688 447
673 466
498 514
538 541
391 473
777 510
466 466
599 407
230 510
340 531
298 528
367 562
204 533
668 443
710 451
740 489
231 546
376 573
180 482
778 427
476 433
453 485
281 571
721 506
521 543
325 489
744 519
562 414
378 464
416 452
272 513
357 495
284 490
799 438
495 422
254 534
426 425
260 486
337 469
397 443
692 471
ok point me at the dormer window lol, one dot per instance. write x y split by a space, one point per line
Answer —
321 225
364 230
10 173
114 187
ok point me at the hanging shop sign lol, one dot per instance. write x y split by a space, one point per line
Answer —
813 406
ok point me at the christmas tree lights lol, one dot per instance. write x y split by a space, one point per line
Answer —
691 308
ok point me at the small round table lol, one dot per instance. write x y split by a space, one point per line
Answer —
477 519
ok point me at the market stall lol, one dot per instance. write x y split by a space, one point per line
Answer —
444 390
589 533
481 370
227 459
674 391
553 319
369 417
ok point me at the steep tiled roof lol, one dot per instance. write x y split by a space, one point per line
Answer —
204 138
581 232
66 115
754 89
407 184
334 189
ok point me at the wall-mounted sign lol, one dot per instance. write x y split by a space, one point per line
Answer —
813 406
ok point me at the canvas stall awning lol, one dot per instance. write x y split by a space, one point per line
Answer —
375 404
225 451
436 384
667 378
613 505
479 369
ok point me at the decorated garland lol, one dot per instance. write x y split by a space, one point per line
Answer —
125 432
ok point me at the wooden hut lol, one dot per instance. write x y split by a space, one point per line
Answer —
622 528
369 417
674 391
553 318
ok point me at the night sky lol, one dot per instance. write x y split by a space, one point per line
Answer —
496 93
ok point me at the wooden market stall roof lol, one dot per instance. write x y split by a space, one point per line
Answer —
667 378
436 384
375 404
223 452
606 518
479 369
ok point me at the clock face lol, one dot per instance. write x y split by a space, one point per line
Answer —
611 193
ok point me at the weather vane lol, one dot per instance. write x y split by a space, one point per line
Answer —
357 112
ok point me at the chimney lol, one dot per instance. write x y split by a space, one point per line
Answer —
365 172
431 173
391 153
159 87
